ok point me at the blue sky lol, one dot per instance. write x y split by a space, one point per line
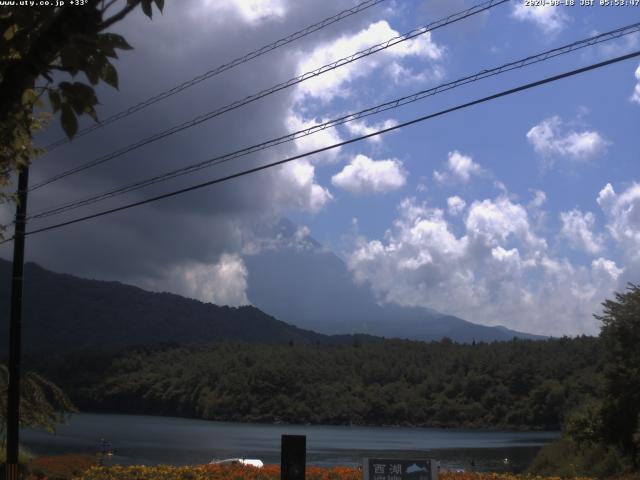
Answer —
549 152
524 211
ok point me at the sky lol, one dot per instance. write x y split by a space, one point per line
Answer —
522 212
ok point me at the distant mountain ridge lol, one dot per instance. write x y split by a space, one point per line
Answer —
64 313
302 283
304 288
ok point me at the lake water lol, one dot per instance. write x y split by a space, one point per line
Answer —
178 441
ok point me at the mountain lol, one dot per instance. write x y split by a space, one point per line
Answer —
302 283
63 313
296 280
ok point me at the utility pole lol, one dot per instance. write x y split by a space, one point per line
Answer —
15 328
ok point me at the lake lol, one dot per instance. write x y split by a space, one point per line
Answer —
178 441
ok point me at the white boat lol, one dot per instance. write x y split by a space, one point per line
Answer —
243 461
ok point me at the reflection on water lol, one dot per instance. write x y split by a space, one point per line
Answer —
163 440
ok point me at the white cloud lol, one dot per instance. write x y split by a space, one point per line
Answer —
364 175
620 46
636 92
460 168
539 199
299 189
316 141
495 222
577 228
606 269
337 82
250 11
296 185
555 138
623 218
498 271
362 128
402 75
548 18
224 283
455 205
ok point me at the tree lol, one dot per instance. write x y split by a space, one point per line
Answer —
42 403
621 336
38 46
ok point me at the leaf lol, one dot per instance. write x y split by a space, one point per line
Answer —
80 97
92 113
146 8
72 59
110 75
92 71
68 120
115 40
10 32
29 96
160 4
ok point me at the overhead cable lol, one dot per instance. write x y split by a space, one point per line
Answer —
220 69
530 60
281 86
226 178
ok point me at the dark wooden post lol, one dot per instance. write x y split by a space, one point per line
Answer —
293 457
15 329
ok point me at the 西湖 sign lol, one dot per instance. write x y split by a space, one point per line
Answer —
399 469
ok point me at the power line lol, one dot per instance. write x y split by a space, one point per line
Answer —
504 93
533 59
281 86
220 69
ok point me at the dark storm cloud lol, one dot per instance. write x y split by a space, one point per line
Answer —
187 40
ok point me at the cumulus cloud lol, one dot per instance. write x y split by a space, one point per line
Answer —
498 271
635 97
555 138
363 128
459 169
338 82
319 139
401 74
147 245
539 199
223 283
494 222
302 191
455 205
548 18
250 11
364 175
577 228
623 218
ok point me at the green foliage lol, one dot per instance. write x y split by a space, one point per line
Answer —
107 315
383 383
584 424
621 337
567 458
601 436
42 402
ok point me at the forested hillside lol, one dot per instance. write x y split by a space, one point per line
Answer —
64 313
516 384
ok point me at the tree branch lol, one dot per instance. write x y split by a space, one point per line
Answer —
118 16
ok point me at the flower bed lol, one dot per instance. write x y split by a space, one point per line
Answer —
81 467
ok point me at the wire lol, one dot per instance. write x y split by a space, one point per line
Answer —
495 96
289 83
540 57
220 69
